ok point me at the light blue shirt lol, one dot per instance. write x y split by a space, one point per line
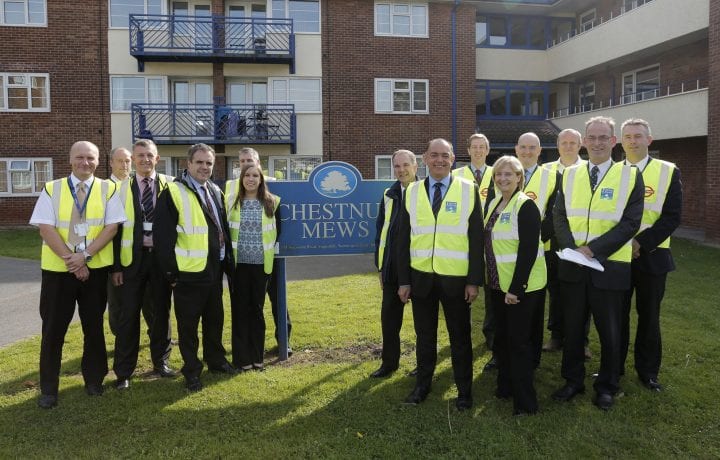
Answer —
431 186
529 172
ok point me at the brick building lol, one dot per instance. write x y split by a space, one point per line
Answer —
304 81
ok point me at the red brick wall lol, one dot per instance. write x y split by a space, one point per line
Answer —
72 49
712 190
353 57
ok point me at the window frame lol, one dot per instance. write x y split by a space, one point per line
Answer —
32 170
546 22
288 92
410 5
583 24
583 94
422 171
528 87
27 22
629 98
163 10
147 79
286 15
411 90
273 158
5 86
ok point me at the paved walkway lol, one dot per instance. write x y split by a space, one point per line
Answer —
20 288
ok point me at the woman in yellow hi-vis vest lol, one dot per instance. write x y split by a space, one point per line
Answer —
516 275
254 229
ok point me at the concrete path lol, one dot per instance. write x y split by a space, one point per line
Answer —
20 288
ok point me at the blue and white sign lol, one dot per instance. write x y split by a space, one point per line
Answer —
334 212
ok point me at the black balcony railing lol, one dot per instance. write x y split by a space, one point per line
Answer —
215 123
211 39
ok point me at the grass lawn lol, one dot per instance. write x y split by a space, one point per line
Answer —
321 403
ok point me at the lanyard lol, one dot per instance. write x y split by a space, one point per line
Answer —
80 209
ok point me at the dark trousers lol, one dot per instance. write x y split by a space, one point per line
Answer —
606 307
272 287
194 301
516 347
147 286
649 292
555 308
488 327
391 319
248 321
114 308
59 292
537 326
457 319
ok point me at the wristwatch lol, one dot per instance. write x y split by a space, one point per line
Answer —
87 255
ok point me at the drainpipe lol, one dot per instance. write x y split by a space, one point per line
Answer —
453 76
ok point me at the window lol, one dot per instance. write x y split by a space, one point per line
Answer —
128 90
586 96
641 84
24 176
511 99
401 96
401 19
384 168
24 92
296 167
587 20
304 93
631 4
23 13
304 13
120 10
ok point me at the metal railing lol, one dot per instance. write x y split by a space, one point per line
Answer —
667 89
215 123
154 37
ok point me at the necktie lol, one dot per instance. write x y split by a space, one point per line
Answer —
594 177
208 203
528 174
147 203
478 176
75 218
437 198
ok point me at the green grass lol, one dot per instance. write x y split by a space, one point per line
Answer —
321 403
20 243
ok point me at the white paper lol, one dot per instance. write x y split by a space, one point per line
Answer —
571 255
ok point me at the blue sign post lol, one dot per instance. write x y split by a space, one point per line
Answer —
332 213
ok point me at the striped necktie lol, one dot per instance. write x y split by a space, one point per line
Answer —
146 200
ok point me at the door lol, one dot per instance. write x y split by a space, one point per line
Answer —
193 110
242 34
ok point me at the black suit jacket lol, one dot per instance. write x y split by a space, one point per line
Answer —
165 237
421 283
389 262
617 274
653 259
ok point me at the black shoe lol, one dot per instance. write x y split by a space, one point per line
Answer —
523 413
413 373
604 401
47 401
383 371
417 396
567 393
463 402
490 365
224 369
652 384
193 384
163 370
122 384
94 389
503 395
290 352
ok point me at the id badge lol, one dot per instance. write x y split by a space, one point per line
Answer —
147 226
81 229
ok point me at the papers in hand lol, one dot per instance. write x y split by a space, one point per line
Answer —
571 255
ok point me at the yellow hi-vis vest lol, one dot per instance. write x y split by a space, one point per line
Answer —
539 188
191 247
466 173
386 226
505 243
554 166
440 245
656 175
269 229
126 242
63 203
591 214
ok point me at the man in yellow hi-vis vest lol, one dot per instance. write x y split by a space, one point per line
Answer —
597 212
192 240
77 215
439 259
652 259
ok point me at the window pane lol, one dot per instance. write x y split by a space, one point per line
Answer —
537 103
498 34
517 102
481 30
402 85
42 174
17 98
21 182
36 11
14 12
279 91
422 169
16 80
3 177
384 168
419 20
305 94
561 30
39 93
401 25
126 90
497 102
305 15
278 8
154 6
420 96
647 83
480 102
2 94
120 11
518 32
383 96
382 16
401 101
155 90
537 33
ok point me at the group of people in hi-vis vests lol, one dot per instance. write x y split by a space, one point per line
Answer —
592 233
137 240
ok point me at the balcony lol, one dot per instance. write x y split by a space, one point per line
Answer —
215 123
170 38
